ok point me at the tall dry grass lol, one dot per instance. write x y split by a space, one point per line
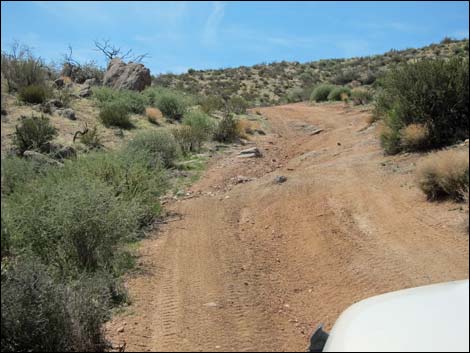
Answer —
444 175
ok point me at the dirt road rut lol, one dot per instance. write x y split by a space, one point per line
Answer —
256 266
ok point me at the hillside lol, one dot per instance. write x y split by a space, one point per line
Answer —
268 84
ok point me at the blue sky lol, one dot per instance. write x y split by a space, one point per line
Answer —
202 35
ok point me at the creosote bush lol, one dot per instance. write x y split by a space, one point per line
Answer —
434 93
226 130
202 124
115 114
20 68
159 145
41 313
339 94
172 105
444 174
211 104
70 223
321 92
237 105
33 133
34 94
132 102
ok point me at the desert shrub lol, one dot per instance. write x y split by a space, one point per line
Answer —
203 125
237 105
361 96
444 174
172 105
295 95
153 115
115 114
226 130
71 222
321 92
34 94
135 176
345 76
91 138
338 93
390 134
81 72
18 171
33 133
414 137
434 93
211 104
41 313
186 139
64 96
157 145
133 102
20 68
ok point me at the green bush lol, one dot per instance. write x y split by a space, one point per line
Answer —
134 175
159 145
34 94
172 105
91 138
211 104
226 130
133 102
64 96
434 93
321 92
202 125
42 314
21 69
337 93
19 171
295 95
345 76
33 133
186 138
237 105
115 114
361 96
70 222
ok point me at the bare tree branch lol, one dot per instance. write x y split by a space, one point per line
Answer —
110 51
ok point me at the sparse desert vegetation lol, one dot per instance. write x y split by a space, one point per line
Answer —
94 160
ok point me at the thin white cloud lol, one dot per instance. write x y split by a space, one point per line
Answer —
209 36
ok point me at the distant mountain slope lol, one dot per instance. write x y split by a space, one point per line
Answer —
270 83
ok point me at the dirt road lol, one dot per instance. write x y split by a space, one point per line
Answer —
256 266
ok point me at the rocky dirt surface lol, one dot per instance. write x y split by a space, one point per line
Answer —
256 262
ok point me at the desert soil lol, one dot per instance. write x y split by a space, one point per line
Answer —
256 266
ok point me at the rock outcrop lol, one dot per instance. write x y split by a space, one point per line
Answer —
132 76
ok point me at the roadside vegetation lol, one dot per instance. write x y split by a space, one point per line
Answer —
70 214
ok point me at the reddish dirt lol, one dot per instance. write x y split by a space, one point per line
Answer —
257 266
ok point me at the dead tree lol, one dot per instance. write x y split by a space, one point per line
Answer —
110 51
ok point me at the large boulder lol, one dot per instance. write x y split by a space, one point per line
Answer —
132 76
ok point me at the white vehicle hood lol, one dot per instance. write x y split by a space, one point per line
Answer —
431 319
